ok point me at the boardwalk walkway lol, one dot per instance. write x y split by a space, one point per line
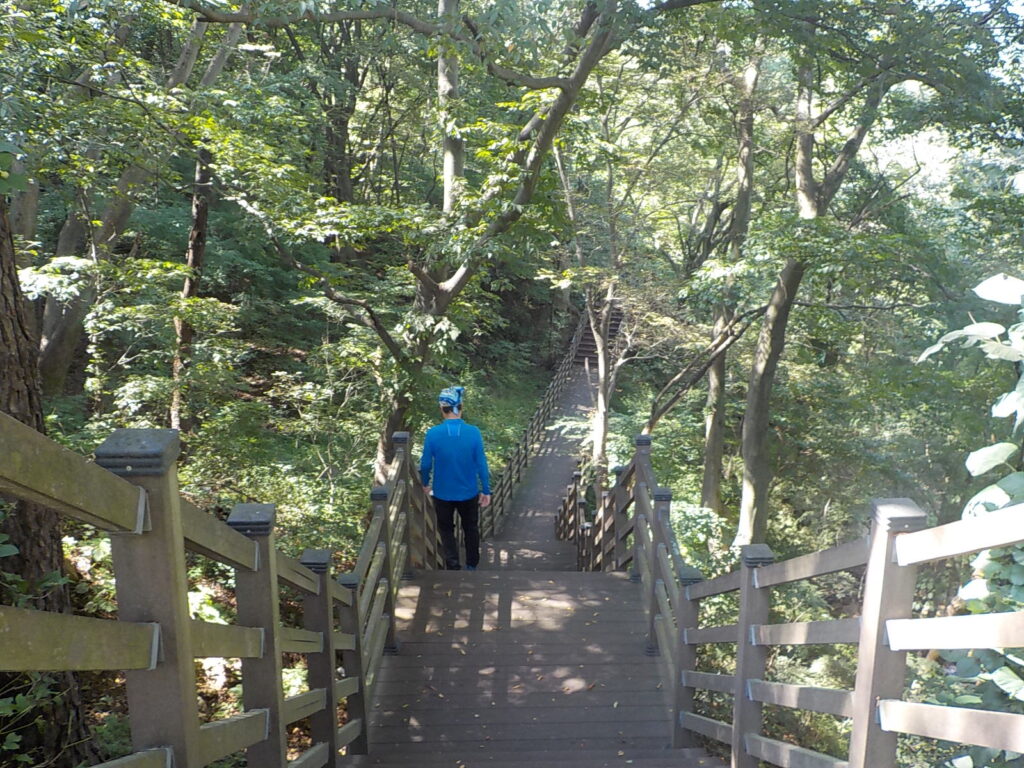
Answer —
525 662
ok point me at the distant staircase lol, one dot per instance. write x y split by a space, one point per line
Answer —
586 352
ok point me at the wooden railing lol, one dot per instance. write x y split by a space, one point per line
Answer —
131 492
636 512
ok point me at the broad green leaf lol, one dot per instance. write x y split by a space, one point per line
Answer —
6 550
984 330
1009 682
1002 289
981 461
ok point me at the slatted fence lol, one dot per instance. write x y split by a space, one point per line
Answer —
634 516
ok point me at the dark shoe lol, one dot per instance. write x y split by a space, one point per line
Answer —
470 567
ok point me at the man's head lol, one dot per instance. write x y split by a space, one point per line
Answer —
450 400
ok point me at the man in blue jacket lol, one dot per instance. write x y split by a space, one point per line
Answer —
454 450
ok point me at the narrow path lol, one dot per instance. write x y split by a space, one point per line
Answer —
527 542
526 662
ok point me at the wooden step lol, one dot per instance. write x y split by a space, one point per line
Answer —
424 757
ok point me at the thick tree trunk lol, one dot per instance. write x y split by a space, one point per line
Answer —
202 194
56 730
757 472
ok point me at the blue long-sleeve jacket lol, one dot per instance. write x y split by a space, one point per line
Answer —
454 452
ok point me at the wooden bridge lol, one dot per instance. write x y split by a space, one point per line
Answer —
577 643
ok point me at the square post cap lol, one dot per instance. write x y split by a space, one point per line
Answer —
379 493
642 441
688 574
349 580
754 555
317 560
139 452
898 515
253 519
400 438
662 494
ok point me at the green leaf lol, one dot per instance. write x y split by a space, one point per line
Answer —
1002 289
981 461
6 550
1009 682
968 666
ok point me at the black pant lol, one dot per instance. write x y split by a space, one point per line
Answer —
469 514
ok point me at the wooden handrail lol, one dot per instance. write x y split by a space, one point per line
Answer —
636 510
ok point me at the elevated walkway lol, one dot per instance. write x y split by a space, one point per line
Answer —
526 662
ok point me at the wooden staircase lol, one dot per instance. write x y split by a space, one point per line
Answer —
587 349
522 668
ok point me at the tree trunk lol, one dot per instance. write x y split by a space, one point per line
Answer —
714 424
448 92
714 427
184 332
56 727
757 472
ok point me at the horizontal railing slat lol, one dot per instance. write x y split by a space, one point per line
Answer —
224 737
346 687
787 755
705 726
981 728
301 640
349 732
709 681
719 585
832 701
994 529
316 756
37 469
149 758
841 558
303 705
210 537
291 571
41 641
227 641
344 641
368 549
727 634
342 594
987 630
807 632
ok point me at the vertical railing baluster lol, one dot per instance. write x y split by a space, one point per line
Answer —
750 656
888 594
259 605
687 617
318 615
152 586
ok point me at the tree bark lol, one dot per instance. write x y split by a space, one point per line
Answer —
57 729
447 93
184 332
757 472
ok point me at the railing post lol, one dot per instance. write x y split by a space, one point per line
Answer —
379 502
662 504
641 463
318 615
259 605
750 657
606 513
687 616
888 594
620 523
152 586
351 623
401 442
